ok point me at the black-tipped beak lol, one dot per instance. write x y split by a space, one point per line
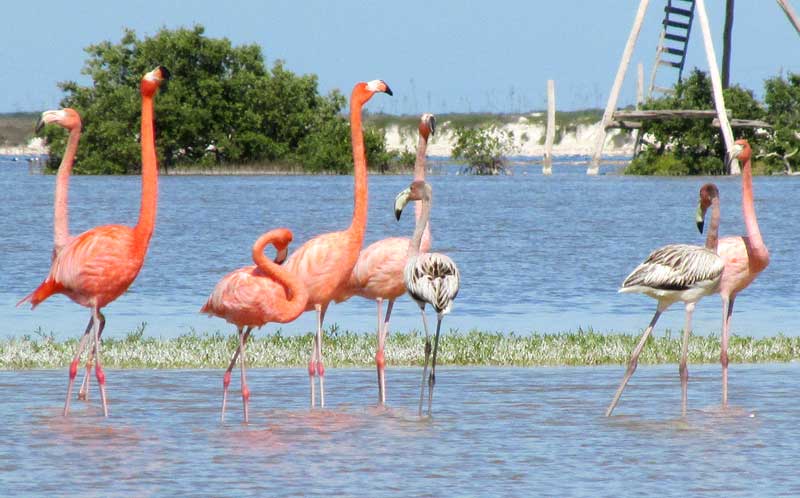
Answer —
388 90
397 213
700 217
39 126
165 74
400 202
433 125
281 256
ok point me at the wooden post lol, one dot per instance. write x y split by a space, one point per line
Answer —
594 167
787 9
716 85
637 141
726 44
547 169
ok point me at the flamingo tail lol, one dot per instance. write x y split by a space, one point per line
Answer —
45 290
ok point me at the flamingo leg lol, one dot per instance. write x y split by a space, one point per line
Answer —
379 359
320 367
83 393
634 361
245 390
226 379
382 344
727 311
312 370
427 354
98 367
432 378
73 367
684 369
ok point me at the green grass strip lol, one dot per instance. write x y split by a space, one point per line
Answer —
349 349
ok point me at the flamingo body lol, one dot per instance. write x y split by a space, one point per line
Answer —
93 268
433 278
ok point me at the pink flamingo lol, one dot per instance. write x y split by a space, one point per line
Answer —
378 273
677 272
97 266
325 262
254 295
744 257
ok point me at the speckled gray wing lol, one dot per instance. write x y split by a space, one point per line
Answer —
676 267
434 279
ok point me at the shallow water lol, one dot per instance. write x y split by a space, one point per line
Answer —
536 253
511 432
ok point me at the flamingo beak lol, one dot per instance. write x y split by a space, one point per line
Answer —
39 126
734 154
281 256
432 123
400 202
700 217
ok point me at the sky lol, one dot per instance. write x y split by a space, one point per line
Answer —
437 55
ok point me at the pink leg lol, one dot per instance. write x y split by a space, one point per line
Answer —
727 311
427 355
684 370
245 390
634 361
98 367
320 366
83 393
312 370
73 367
380 358
226 379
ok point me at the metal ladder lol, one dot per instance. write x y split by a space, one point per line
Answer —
673 42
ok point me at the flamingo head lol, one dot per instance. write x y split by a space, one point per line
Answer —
427 125
362 92
741 150
283 237
708 193
66 118
152 80
419 190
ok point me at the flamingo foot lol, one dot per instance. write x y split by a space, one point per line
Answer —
101 382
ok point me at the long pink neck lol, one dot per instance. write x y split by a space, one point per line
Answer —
147 212
297 294
712 238
419 174
61 215
759 253
422 222
359 223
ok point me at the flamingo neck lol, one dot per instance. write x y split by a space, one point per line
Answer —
759 250
61 215
147 212
713 229
422 223
297 295
359 223
419 174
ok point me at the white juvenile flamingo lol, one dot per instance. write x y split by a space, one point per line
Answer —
430 278
677 272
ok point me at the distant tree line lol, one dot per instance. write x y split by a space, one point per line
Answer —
222 106
694 147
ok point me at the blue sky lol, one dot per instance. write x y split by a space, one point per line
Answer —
437 55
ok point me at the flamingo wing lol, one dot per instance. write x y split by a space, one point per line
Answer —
433 278
676 267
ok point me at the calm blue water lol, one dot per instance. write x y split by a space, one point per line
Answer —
495 432
535 253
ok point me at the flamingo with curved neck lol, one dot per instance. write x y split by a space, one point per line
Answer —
378 273
254 296
745 257
97 266
324 263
